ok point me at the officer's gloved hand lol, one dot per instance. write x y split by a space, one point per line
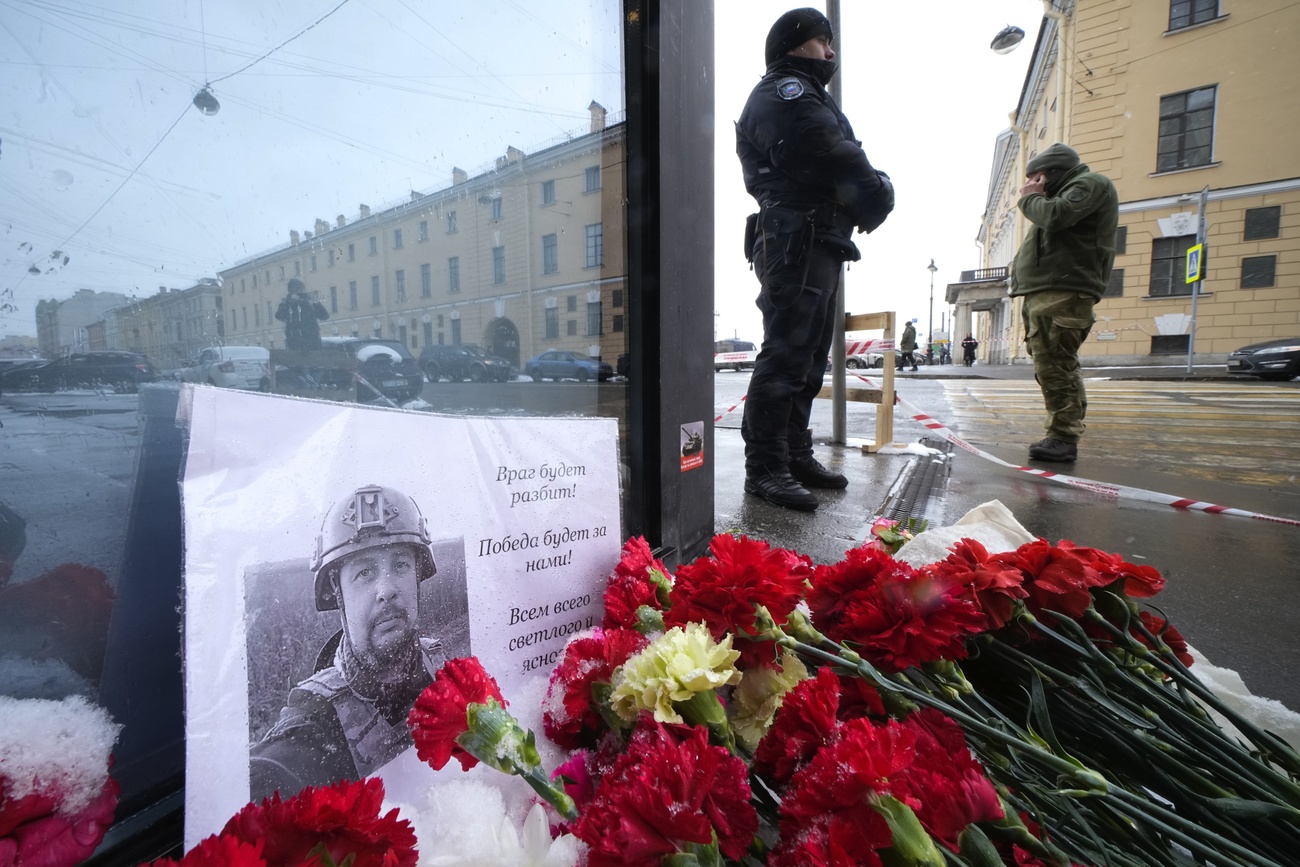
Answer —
882 203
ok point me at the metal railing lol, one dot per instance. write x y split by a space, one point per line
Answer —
981 275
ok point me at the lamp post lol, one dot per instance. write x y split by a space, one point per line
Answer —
929 337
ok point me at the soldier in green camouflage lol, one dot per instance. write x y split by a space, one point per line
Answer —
1061 271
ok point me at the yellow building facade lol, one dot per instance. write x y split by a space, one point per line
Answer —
520 258
1175 101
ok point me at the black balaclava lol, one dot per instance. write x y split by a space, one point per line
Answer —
793 29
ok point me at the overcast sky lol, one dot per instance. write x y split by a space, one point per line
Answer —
385 96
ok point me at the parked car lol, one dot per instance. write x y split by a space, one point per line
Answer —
464 361
734 355
386 364
865 359
117 369
245 367
1273 359
557 364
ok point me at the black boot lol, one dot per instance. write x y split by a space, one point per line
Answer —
810 472
1051 449
779 488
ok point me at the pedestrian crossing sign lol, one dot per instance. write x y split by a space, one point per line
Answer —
1195 262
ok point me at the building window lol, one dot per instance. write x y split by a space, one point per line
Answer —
1258 272
451 222
297 268
352 294
571 327
254 279
268 313
617 324
257 315
334 299
550 254
593 318
455 332
595 246
496 208
331 258
1186 129
281 272
1121 240
243 312
592 176
1185 13
552 323
400 279
453 274
268 276
1168 344
1263 223
571 303
498 265
548 192
428 333
1115 288
233 324
241 286
313 263
426 282
352 252
616 297
397 239
424 230
374 245
1169 266
374 291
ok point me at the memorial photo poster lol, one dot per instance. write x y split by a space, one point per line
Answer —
328 543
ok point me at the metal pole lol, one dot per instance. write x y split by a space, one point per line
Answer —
839 414
1196 287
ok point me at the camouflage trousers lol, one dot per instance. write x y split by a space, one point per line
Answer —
1056 324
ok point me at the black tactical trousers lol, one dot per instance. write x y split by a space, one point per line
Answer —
798 306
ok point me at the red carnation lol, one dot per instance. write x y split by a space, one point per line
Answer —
835 587
1167 633
633 584
1059 579
804 724
826 810
668 789
948 787
723 590
32 831
438 717
858 698
571 716
993 584
1136 580
219 851
901 622
343 816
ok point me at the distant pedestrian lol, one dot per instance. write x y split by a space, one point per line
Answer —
1061 270
301 315
968 347
908 346
814 186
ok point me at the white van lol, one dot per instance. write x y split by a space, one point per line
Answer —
245 367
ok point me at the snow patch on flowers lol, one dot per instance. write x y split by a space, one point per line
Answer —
55 748
467 824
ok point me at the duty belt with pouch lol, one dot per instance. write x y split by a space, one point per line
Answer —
790 232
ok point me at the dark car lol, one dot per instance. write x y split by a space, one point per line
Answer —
387 365
557 364
116 369
1273 359
464 361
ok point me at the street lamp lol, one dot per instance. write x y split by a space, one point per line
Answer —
1007 39
929 349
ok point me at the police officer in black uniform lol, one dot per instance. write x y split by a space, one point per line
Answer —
814 186
348 719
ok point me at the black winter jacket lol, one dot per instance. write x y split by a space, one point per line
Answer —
797 149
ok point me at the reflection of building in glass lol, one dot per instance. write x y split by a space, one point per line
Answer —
169 327
513 259
63 326
1189 97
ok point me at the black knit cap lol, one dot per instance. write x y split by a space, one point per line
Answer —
296 285
793 29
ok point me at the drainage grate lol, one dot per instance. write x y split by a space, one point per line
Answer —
918 492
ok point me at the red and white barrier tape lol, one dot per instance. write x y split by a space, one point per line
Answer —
1114 491
729 409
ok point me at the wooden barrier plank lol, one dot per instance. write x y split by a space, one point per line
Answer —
859 395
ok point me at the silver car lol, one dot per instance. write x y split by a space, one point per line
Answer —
246 367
